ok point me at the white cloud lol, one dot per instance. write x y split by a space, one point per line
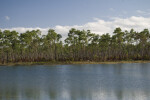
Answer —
141 12
124 12
7 18
111 9
98 26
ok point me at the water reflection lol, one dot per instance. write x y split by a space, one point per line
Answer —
76 82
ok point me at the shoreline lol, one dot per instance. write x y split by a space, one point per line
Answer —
72 62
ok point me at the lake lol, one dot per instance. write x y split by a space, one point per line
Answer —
76 82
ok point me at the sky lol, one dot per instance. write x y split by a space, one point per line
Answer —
100 16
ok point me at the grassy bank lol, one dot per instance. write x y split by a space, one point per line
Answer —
71 62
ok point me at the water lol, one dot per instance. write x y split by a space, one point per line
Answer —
76 82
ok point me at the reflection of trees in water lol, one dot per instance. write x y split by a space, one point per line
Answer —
15 94
108 82
52 95
73 94
32 94
9 94
119 94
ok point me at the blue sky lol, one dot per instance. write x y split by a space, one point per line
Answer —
49 13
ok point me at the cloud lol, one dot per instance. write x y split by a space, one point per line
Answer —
7 18
141 12
111 9
98 26
124 12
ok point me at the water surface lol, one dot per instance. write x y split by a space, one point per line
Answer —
76 82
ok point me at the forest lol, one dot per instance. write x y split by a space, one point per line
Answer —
79 45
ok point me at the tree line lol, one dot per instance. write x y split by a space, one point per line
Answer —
79 45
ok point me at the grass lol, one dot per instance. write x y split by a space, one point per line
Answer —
72 62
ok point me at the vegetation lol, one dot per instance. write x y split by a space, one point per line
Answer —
80 45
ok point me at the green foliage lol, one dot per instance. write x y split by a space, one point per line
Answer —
80 45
